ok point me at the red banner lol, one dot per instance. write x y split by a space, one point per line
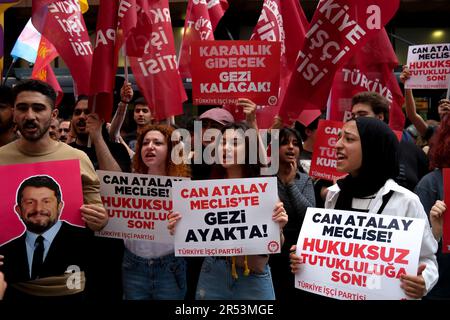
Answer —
198 26
446 227
324 158
156 70
338 29
370 69
62 23
42 69
105 57
224 71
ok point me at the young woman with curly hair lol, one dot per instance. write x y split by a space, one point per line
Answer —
150 270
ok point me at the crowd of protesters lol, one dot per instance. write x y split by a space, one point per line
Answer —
376 163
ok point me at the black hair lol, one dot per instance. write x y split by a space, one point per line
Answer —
81 97
6 95
250 170
39 182
286 133
377 102
302 129
36 86
141 100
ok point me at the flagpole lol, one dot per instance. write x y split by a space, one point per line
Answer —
7 72
402 39
125 63
448 88
229 33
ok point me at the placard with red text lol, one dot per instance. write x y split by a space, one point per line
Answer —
137 205
227 217
324 158
357 256
223 71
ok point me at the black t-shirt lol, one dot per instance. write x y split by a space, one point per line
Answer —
413 165
305 155
118 151
431 130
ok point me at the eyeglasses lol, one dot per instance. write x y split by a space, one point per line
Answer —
78 112
66 130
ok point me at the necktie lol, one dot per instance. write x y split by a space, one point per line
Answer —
38 257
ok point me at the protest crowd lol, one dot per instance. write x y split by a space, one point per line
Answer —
299 182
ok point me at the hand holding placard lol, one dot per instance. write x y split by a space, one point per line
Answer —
227 217
414 286
173 219
279 215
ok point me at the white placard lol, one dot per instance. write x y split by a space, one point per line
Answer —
137 205
429 65
226 217
357 256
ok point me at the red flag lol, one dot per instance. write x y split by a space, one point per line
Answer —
42 69
216 9
198 25
62 23
338 29
105 58
156 71
46 53
370 69
282 21
135 21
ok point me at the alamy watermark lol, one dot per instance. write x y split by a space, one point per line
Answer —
211 146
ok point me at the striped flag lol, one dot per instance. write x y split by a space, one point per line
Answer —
27 44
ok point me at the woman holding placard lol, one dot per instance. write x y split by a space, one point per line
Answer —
150 270
296 191
239 277
367 150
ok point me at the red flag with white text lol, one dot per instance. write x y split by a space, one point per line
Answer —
284 21
104 64
42 69
370 69
339 28
156 71
198 25
62 23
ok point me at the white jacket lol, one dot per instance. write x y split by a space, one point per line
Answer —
403 203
